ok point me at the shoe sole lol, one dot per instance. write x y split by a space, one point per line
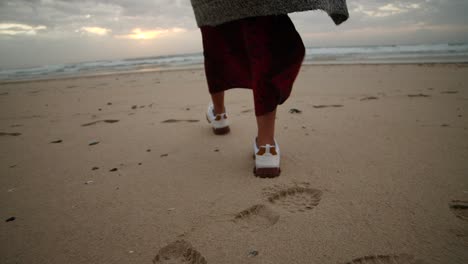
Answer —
219 131
267 172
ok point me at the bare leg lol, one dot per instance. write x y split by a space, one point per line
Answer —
218 102
266 129
218 117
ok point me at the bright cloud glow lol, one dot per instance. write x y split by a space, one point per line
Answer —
390 8
139 34
96 30
19 29
387 10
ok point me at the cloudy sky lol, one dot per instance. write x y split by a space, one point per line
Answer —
38 32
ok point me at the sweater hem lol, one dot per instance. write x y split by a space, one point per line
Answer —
213 13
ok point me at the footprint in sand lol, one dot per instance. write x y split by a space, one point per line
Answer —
460 209
386 259
93 143
14 134
294 199
449 92
179 252
369 98
257 216
180 120
110 121
418 95
326 106
294 111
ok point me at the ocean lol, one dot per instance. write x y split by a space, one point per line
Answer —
423 53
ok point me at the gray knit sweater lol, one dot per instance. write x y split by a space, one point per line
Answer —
215 12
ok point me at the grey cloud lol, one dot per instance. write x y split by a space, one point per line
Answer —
61 42
120 15
123 15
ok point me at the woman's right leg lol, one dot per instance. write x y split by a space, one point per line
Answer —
267 155
276 52
266 129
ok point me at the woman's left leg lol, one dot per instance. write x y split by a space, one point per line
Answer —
226 67
218 102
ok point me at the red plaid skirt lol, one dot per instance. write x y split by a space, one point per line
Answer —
259 53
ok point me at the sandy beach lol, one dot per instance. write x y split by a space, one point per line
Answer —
117 168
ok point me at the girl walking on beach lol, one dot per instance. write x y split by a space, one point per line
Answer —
253 44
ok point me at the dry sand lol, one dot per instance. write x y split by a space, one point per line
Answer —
378 174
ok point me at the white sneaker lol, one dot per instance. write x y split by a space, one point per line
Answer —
219 122
267 160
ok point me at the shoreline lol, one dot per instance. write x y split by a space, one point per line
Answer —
325 55
201 67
